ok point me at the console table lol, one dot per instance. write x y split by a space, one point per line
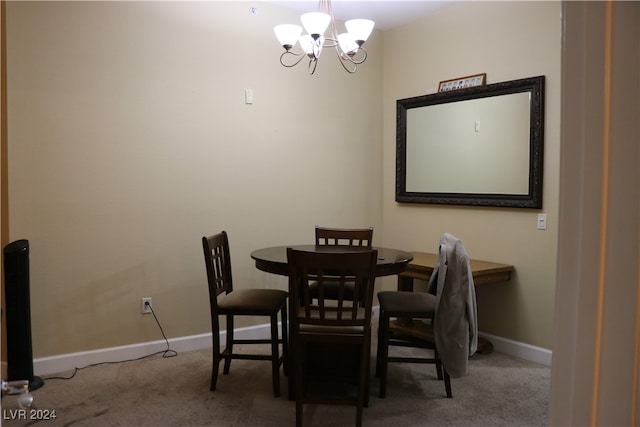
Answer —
423 263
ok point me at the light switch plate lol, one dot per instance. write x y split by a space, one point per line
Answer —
542 221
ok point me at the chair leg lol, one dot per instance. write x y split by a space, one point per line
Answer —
215 364
299 414
285 340
299 383
447 383
367 382
383 352
292 365
379 349
229 349
275 356
366 360
363 380
438 368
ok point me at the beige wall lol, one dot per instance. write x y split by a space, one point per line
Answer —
507 40
72 283
129 140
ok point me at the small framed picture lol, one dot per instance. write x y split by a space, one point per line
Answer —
462 82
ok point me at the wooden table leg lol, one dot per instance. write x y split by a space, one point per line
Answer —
405 283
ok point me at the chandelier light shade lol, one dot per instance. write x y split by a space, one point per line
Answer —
360 29
348 45
315 23
288 34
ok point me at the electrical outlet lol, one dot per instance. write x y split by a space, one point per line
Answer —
146 305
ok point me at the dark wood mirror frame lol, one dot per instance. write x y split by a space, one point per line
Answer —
533 199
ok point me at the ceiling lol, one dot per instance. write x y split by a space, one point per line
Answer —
385 13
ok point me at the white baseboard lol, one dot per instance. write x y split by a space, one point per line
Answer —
517 349
65 362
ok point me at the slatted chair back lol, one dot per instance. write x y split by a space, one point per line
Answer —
340 271
218 265
361 237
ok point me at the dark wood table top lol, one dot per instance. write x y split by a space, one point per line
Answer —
274 259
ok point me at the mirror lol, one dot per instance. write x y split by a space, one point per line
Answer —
480 146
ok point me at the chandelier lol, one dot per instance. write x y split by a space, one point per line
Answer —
348 45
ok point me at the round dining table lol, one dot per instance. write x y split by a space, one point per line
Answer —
274 259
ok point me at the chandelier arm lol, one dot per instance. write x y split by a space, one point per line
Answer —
294 54
353 59
313 63
330 42
343 61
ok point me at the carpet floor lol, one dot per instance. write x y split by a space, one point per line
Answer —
499 390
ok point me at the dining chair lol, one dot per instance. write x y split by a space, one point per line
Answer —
227 302
356 238
326 333
443 319
326 236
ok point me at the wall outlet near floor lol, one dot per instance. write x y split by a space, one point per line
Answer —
146 305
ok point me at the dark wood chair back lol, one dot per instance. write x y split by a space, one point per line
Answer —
326 236
352 237
354 270
218 264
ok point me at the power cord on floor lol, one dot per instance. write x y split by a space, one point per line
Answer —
165 353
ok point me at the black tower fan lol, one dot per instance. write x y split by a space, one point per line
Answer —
18 314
